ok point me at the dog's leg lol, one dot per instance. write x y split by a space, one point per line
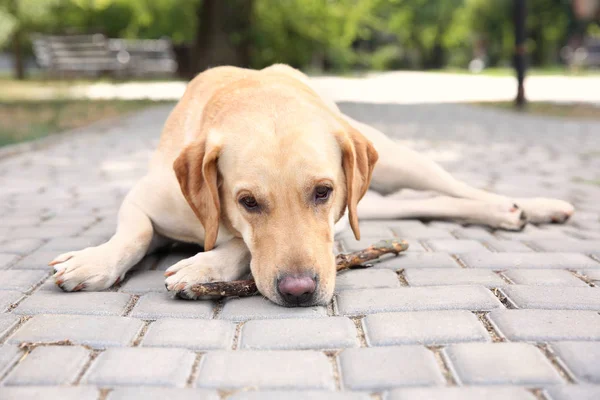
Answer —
100 267
400 167
228 261
375 206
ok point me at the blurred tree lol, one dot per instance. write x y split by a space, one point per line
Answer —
223 33
18 18
325 34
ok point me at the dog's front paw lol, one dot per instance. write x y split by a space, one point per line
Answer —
90 269
507 216
182 276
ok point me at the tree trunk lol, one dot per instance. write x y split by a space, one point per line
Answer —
223 34
18 62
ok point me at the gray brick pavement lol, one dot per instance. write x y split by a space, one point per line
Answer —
90 303
423 327
557 298
500 364
546 325
368 301
462 393
265 370
161 393
49 366
389 367
98 332
580 359
299 334
444 288
190 333
141 367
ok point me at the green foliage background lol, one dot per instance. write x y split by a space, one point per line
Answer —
337 34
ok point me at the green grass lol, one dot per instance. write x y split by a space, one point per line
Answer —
508 71
575 110
24 120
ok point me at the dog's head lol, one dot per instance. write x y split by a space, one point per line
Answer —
279 179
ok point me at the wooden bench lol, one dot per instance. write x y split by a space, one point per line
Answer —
587 55
95 55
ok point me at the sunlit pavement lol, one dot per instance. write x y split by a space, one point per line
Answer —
466 313
393 88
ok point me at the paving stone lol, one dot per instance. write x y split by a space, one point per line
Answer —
190 333
593 274
145 282
560 245
161 393
500 364
423 327
457 246
418 233
257 307
63 245
352 244
365 278
49 392
49 365
530 232
36 260
298 395
173 258
265 370
163 305
9 354
48 232
20 246
418 260
6 260
21 280
369 301
299 334
580 359
97 332
92 303
7 323
368 230
507 246
478 233
380 368
543 277
501 261
553 297
437 277
135 366
461 393
9 297
546 325
573 392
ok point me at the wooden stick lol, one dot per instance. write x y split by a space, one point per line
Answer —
343 261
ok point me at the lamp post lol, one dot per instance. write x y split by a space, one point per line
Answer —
520 15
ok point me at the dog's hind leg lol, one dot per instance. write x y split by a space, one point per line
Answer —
100 267
402 168
375 206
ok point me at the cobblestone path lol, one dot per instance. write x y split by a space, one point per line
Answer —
466 313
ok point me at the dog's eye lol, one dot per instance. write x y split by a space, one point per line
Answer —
322 193
249 203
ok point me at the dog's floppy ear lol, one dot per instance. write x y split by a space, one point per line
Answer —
358 160
196 171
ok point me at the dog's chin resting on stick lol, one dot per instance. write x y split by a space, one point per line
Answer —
262 171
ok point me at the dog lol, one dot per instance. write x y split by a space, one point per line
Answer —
258 168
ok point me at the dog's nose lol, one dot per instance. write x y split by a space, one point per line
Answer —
296 290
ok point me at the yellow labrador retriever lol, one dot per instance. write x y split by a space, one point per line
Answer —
259 168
